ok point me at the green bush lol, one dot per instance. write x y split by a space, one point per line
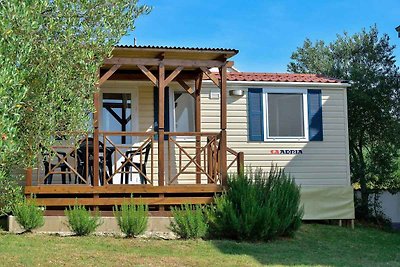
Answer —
257 206
132 219
10 193
28 215
81 222
189 222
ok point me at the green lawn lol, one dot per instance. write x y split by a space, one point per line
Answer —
321 245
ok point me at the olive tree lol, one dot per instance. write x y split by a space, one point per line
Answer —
365 59
50 54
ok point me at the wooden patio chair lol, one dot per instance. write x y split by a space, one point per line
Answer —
139 165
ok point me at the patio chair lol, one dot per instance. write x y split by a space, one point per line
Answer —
49 167
82 160
139 165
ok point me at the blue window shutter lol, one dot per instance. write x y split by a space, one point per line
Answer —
315 130
166 111
255 114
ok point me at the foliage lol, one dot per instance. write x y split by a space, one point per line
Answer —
81 222
50 52
28 215
313 245
257 206
10 193
367 61
132 219
189 221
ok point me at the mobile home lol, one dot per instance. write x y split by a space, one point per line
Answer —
169 130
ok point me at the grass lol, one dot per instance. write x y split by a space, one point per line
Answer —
320 245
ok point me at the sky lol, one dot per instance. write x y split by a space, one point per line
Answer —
265 32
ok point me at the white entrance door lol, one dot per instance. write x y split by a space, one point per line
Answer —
119 113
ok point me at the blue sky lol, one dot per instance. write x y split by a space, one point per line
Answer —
265 32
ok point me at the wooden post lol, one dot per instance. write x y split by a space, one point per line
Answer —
197 93
96 138
28 177
161 85
209 161
240 163
223 141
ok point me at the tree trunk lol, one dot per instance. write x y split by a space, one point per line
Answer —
364 210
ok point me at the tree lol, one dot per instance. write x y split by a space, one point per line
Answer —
367 61
50 53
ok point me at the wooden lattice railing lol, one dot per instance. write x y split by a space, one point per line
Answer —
135 157
197 155
190 157
66 158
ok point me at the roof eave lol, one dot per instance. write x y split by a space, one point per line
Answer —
274 83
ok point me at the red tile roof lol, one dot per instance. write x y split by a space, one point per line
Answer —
280 77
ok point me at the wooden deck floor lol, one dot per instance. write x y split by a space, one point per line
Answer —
159 198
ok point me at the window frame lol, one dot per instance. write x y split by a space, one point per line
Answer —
122 89
268 138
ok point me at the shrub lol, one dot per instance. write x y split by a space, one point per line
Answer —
80 220
10 193
189 222
28 215
257 206
132 219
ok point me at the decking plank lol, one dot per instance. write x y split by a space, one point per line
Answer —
123 189
55 202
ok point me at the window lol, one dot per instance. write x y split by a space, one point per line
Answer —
117 112
183 112
285 114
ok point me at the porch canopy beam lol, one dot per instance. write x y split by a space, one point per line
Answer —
187 63
211 75
149 75
108 74
185 86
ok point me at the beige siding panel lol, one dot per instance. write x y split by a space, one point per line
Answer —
322 163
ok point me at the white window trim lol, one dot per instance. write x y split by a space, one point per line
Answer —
172 116
268 138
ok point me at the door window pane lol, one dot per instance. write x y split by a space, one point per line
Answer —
285 115
184 112
117 115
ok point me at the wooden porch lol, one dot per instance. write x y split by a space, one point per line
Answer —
96 171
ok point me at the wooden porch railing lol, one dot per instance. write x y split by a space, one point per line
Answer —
238 159
191 158
142 148
63 159
196 152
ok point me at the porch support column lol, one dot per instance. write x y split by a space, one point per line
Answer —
28 179
96 151
161 86
223 140
197 98
28 176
